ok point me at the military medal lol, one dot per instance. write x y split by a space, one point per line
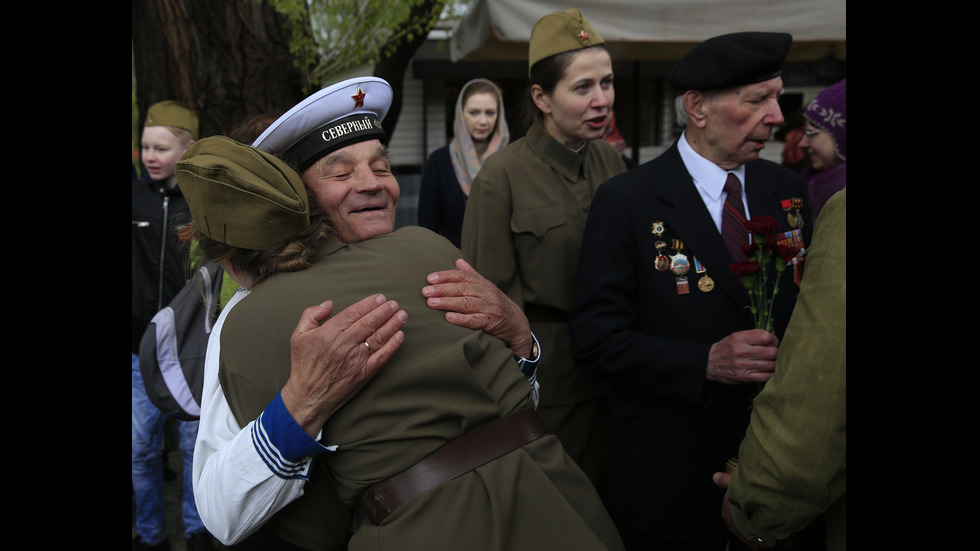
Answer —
657 228
661 263
798 204
680 266
794 238
705 283
787 205
794 219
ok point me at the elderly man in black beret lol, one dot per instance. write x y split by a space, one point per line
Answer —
657 309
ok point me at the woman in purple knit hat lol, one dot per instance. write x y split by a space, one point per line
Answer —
825 139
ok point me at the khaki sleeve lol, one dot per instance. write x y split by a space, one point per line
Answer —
792 462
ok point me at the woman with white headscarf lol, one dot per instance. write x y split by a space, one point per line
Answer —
479 130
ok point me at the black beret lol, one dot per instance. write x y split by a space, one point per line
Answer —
731 60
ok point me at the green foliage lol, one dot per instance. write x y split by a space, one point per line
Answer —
353 33
330 37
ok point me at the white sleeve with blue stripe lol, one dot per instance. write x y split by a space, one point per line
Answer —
245 475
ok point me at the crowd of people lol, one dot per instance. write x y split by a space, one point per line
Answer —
559 356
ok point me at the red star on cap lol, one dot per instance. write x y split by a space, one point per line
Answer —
358 98
583 36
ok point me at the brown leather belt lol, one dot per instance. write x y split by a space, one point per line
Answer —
460 456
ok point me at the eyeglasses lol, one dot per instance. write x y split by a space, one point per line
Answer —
811 133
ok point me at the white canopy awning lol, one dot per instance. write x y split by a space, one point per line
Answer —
654 29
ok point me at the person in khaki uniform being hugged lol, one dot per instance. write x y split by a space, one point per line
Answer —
527 209
442 446
262 476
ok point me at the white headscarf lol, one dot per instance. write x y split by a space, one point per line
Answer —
462 150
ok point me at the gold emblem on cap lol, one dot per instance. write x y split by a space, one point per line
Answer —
358 98
583 36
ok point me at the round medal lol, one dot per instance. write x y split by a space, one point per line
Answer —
706 283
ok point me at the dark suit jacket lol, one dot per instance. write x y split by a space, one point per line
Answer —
670 427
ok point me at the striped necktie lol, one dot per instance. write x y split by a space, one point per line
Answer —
733 220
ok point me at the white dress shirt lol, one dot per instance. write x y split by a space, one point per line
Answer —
709 179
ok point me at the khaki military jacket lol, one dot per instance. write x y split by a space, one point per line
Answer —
793 461
523 230
443 382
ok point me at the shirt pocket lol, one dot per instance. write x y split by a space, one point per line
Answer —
536 222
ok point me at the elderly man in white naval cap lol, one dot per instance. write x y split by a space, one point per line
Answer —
335 141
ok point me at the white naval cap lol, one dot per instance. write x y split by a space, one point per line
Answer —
339 115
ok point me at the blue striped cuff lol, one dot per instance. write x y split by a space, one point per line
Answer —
282 444
527 367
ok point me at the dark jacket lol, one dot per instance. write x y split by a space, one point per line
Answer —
441 199
671 429
159 262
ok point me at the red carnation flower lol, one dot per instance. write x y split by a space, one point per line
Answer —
745 269
761 225
753 273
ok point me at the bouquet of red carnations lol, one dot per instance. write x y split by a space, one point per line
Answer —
753 272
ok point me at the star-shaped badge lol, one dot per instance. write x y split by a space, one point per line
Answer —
583 36
358 98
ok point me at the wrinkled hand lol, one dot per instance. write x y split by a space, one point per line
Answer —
743 357
722 480
470 300
330 362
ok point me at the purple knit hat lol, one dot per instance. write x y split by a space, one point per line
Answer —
828 112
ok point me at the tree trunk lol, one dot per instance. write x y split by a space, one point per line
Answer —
392 67
228 59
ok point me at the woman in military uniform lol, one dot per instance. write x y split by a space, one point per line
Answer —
527 210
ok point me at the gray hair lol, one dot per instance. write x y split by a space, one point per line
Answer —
680 111
682 117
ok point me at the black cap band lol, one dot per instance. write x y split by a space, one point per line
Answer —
333 136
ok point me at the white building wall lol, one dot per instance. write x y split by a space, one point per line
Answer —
405 146
436 135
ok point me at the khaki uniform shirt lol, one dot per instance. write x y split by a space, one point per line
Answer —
443 382
523 230
793 462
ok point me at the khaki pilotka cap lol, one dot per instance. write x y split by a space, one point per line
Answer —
172 113
560 32
241 196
